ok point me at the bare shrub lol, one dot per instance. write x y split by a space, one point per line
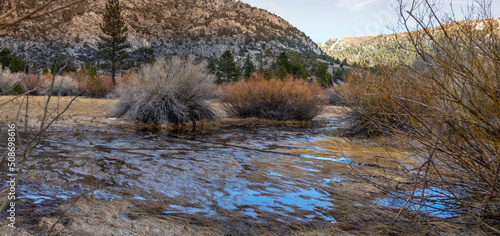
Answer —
63 86
288 99
33 83
380 101
167 92
448 103
7 81
335 94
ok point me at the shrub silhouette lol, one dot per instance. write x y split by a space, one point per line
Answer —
287 99
167 92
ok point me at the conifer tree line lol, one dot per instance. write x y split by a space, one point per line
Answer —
227 70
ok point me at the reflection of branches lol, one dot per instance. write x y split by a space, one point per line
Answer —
8 10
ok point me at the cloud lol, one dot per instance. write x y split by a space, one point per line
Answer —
355 5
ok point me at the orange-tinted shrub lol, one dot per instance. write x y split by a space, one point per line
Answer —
287 99
96 86
380 101
47 76
32 83
126 80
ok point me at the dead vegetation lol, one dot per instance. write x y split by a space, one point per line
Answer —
174 91
287 99
447 103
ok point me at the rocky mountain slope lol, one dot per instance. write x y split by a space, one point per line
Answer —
204 28
391 49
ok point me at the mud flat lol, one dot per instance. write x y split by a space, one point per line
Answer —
97 175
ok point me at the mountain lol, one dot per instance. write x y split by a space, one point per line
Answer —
393 49
356 50
205 28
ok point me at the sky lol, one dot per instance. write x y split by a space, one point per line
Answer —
328 19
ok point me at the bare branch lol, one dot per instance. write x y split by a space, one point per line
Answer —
35 13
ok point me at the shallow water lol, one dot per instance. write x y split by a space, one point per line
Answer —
436 202
251 173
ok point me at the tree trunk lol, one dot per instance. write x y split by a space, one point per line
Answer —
113 72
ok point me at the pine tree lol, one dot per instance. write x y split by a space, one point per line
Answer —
283 67
144 55
226 68
297 68
248 67
10 60
322 75
212 65
112 47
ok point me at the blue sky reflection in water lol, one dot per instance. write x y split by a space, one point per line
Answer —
437 202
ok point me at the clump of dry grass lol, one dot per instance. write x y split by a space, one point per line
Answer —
287 99
167 92
7 81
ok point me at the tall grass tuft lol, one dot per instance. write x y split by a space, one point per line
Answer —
287 99
174 91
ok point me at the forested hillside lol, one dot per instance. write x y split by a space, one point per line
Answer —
390 49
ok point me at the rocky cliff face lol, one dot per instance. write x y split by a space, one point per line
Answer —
204 28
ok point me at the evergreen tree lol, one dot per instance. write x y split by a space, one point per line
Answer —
322 75
212 65
144 55
10 60
283 66
297 68
112 47
61 63
226 68
248 67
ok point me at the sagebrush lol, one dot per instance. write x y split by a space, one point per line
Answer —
173 91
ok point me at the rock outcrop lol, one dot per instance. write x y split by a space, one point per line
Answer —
205 28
